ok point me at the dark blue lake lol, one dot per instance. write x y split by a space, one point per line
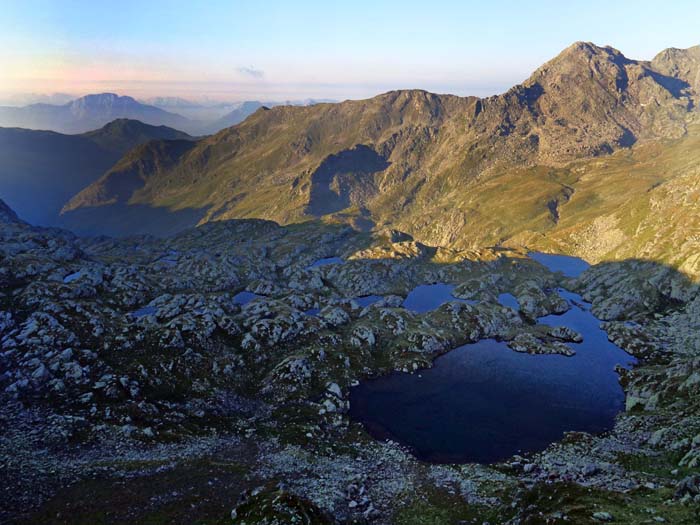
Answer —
244 297
326 261
483 402
509 300
72 277
566 264
428 297
367 300
143 312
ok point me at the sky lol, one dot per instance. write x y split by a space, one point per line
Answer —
290 50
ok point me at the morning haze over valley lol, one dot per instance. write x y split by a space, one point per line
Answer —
399 263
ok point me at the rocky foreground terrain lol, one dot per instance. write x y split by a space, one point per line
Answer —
137 384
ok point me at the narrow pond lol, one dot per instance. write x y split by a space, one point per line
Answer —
483 402
325 262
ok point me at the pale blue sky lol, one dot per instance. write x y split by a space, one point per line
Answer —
296 49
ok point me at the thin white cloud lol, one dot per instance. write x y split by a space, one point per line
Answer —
251 72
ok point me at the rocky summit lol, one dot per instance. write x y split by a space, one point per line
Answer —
198 338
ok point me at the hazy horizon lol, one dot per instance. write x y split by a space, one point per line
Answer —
203 101
235 51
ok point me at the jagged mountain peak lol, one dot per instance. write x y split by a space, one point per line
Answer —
682 64
581 58
674 53
588 49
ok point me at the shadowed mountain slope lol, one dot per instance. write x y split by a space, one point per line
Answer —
123 134
41 170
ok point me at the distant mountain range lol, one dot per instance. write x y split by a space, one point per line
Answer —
533 164
41 170
237 115
87 113
203 114
24 99
93 111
